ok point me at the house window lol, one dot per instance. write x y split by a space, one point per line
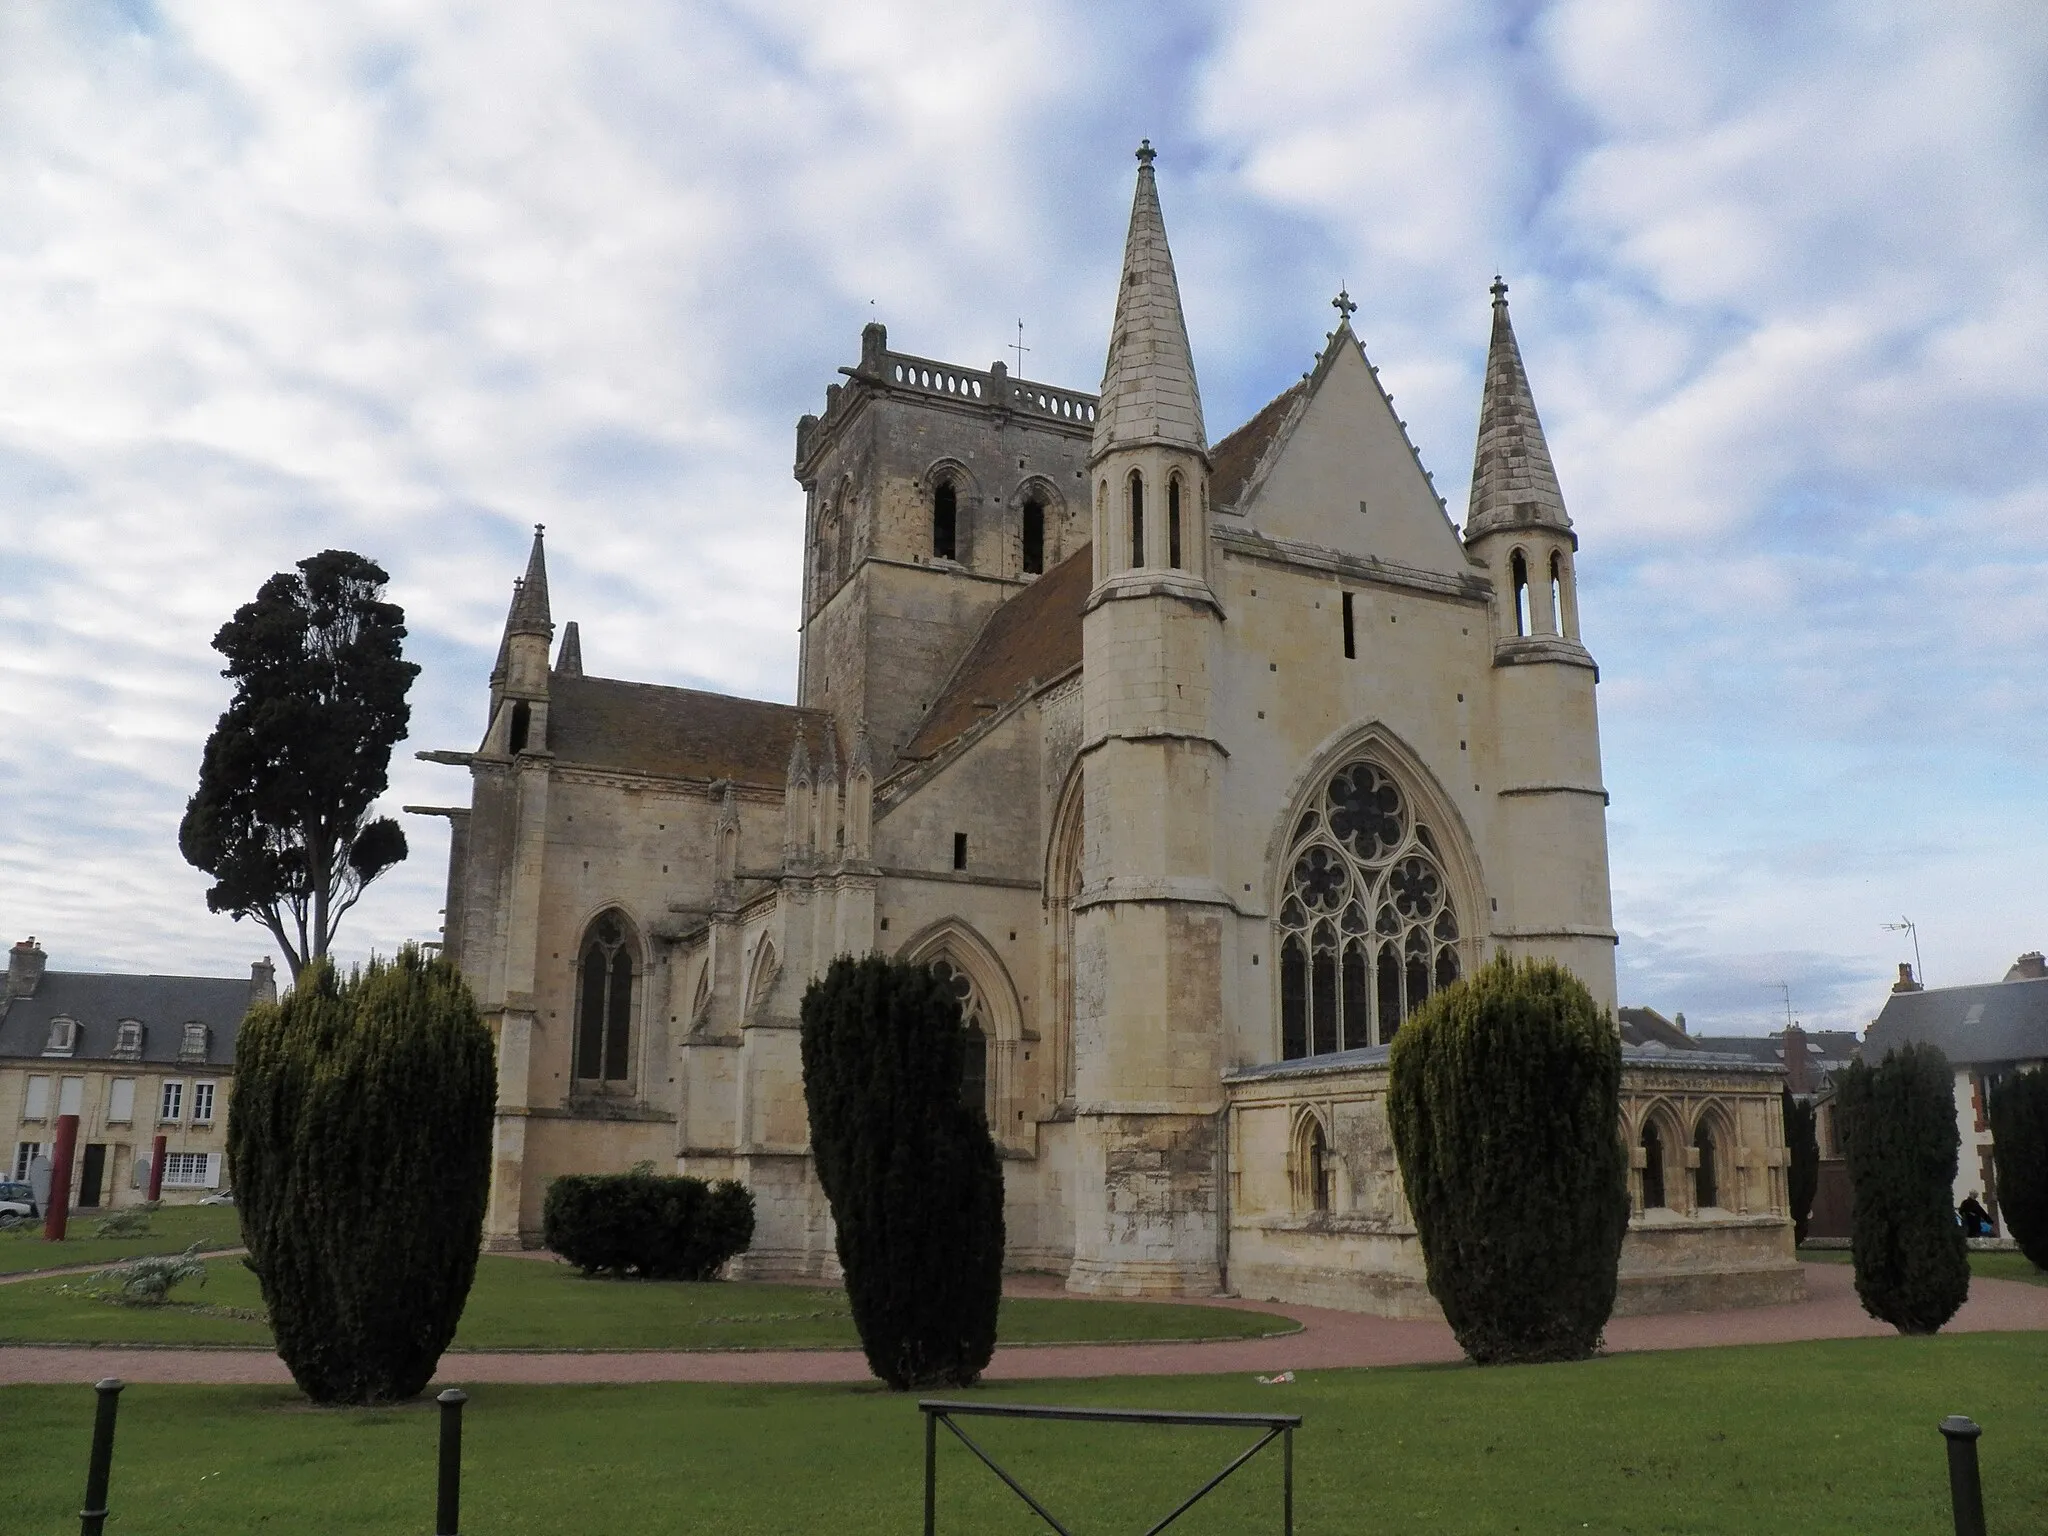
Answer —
945 520
1034 537
128 1041
974 1050
37 1105
191 1170
63 1039
121 1101
202 1103
1367 929
171 1106
192 1046
1653 1167
25 1152
604 1024
1706 1182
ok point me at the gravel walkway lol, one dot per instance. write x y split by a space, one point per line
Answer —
1328 1340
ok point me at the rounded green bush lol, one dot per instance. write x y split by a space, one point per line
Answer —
1505 1104
648 1227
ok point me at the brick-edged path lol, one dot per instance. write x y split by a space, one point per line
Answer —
1327 1340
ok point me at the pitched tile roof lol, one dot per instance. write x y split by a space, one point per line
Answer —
1032 639
164 1005
1237 457
599 722
1991 1022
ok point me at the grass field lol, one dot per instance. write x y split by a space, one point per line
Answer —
170 1230
1984 1265
522 1304
1824 1437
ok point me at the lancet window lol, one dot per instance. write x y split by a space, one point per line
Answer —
945 520
1367 927
604 1012
974 1024
1034 537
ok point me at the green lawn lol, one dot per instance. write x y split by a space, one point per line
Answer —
1987 1265
523 1304
170 1230
1826 1437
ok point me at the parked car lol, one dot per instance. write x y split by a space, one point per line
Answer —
218 1197
17 1203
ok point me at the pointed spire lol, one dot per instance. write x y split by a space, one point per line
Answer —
799 760
863 759
529 614
1513 482
828 761
1148 386
569 663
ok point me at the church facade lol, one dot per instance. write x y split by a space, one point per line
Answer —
1195 769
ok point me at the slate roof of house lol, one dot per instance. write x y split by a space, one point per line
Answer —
1031 640
1236 458
600 722
1993 1021
164 1005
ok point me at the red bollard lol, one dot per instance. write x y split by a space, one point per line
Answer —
156 1169
59 1214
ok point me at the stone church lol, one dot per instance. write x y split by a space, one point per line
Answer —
1193 768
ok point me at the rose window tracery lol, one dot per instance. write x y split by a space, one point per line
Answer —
1367 929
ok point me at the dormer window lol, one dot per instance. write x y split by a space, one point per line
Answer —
63 1039
192 1047
128 1040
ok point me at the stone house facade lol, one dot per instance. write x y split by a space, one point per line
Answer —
1195 768
135 1058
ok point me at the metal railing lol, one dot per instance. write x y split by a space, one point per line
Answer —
1280 1426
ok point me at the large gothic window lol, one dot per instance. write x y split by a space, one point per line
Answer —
974 1022
1367 930
604 1010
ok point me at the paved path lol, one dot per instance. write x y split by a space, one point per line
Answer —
1328 1340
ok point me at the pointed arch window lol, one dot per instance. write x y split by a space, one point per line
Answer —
1557 625
1519 566
522 726
1137 498
945 521
604 1002
1034 536
1706 1180
1315 1171
974 1028
1173 522
1367 927
1653 1167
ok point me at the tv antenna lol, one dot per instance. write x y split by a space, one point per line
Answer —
1784 987
1019 348
1905 925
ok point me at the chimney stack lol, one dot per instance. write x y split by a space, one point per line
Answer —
1905 983
262 982
2029 967
25 964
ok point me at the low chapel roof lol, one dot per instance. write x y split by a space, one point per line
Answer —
1034 638
678 733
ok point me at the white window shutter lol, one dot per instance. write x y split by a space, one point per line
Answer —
38 1105
213 1170
121 1106
71 1096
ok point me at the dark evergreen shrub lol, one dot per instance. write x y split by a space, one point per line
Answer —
2019 1149
1505 1103
360 1136
651 1228
916 1191
1899 1136
1802 1177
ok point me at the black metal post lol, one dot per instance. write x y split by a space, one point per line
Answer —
93 1518
448 1508
1287 1482
931 1473
1965 1491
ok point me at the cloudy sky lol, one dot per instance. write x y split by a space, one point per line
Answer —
409 277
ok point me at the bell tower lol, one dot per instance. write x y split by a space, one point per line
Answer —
1149 918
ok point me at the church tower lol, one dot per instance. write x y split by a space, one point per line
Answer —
1149 918
1554 808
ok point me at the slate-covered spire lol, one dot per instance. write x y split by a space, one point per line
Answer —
569 662
1148 386
529 615
1513 483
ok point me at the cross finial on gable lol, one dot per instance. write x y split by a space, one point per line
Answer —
1146 153
1499 290
1343 304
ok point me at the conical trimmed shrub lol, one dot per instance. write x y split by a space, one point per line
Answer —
1899 1139
360 1136
1802 1176
910 1170
1505 1102
2019 1148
